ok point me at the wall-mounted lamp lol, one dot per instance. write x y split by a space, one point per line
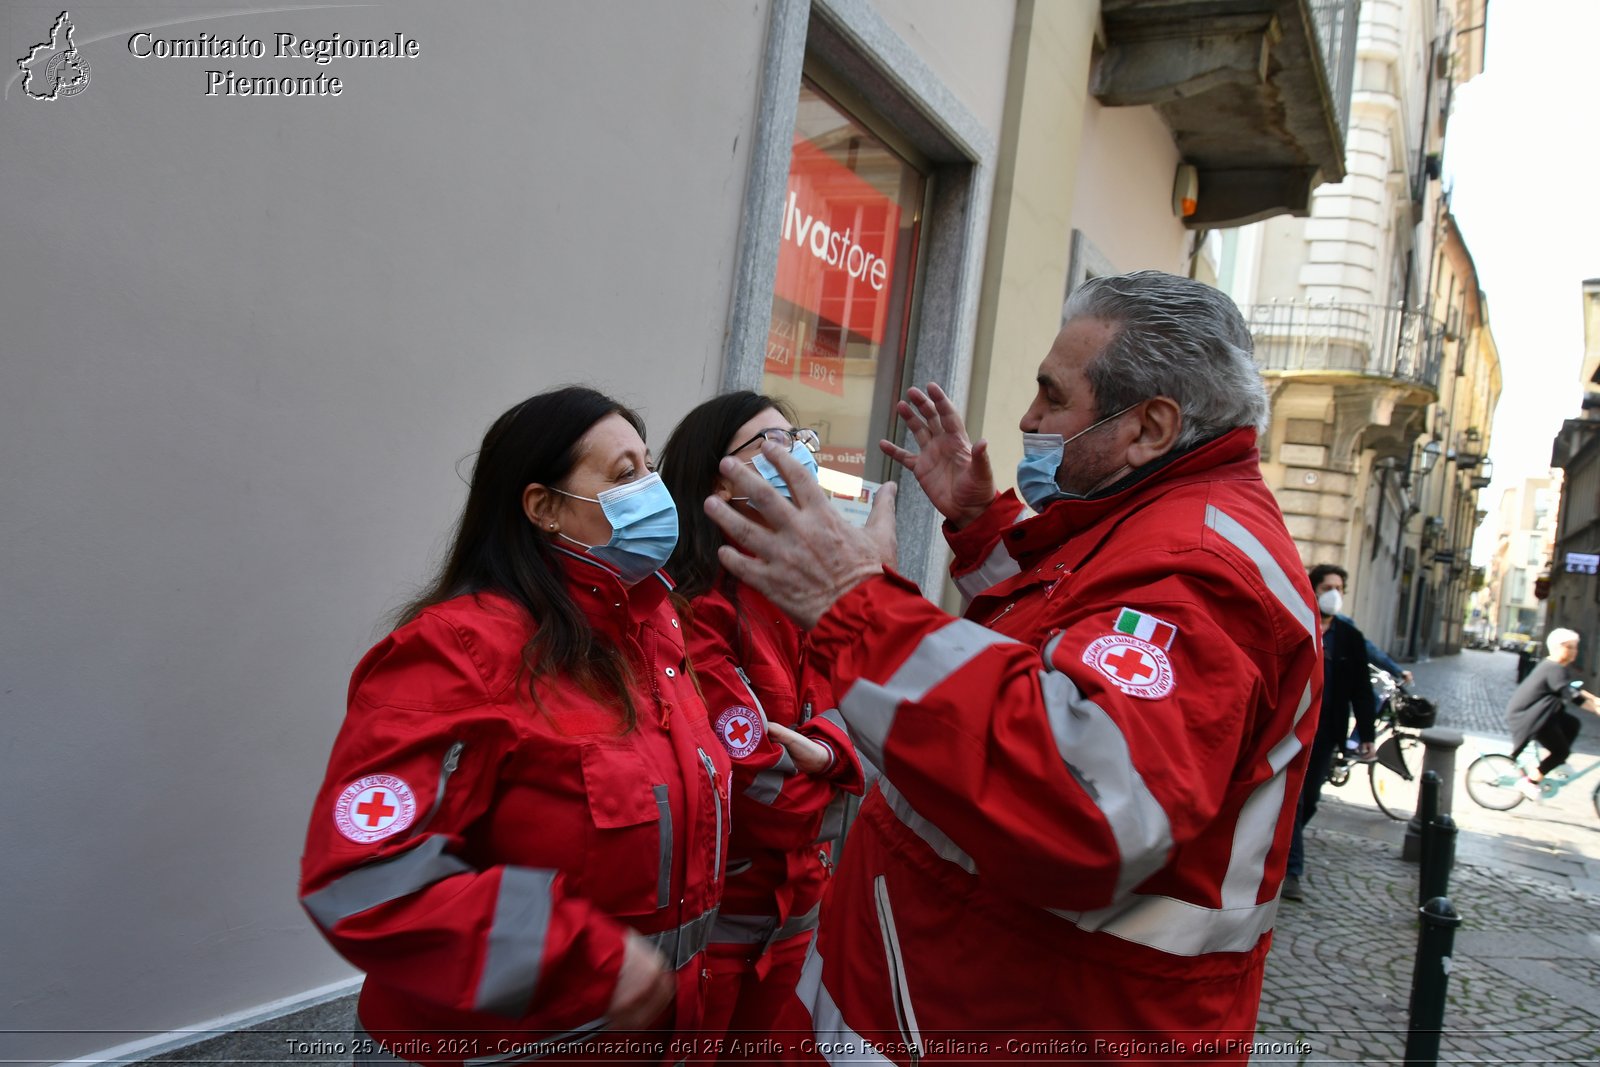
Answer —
1185 191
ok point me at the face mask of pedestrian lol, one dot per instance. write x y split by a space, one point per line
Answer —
1330 602
1041 461
764 467
644 527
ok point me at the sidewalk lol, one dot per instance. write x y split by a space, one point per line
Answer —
1525 978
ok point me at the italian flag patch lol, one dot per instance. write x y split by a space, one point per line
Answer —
1158 632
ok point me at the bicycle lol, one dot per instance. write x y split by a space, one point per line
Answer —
1395 772
1493 780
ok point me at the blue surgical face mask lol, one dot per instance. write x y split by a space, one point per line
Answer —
1041 461
768 470
644 527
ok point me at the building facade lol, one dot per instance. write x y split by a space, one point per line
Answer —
1572 584
1375 340
1526 538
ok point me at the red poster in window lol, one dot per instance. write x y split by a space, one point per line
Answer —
836 251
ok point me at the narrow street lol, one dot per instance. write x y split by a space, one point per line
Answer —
1525 970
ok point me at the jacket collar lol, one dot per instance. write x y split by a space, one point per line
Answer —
599 592
1231 457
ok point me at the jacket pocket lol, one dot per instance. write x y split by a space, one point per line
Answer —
628 869
900 993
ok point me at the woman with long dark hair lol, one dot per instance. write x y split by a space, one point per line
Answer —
773 712
521 832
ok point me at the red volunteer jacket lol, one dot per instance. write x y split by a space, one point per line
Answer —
480 855
1088 783
754 667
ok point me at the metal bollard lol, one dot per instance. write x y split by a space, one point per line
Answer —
1430 979
1439 755
1427 811
1438 858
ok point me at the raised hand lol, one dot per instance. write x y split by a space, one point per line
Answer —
952 470
808 556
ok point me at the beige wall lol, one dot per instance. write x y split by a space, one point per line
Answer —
1126 166
1030 229
965 42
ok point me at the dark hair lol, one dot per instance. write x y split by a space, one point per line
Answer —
1322 570
496 548
688 466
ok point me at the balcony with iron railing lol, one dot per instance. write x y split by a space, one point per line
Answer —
1375 341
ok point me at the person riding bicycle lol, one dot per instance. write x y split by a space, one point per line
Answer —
1537 711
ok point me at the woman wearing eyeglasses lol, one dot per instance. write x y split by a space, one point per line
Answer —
773 712
521 834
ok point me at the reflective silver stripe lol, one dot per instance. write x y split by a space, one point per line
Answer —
990 573
930 834
869 708
1258 821
833 716
1092 746
664 846
383 881
836 1041
761 929
516 941
905 1015
539 1048
682 943
1233 531
832 820
1178 927
768 782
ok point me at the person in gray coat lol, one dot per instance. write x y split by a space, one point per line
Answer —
1538 708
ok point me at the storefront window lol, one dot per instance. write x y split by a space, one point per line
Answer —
841 304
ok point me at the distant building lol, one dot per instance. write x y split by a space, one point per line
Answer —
1521 553
1573 599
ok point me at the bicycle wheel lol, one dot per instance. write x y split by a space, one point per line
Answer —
1492 782
1397 777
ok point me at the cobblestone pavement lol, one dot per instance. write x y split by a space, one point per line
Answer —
1525 977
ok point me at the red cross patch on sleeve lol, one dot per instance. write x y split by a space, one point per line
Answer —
740 731
375 807
1133 665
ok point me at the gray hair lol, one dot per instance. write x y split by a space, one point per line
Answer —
1177 338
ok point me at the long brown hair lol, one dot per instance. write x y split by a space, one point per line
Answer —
495 548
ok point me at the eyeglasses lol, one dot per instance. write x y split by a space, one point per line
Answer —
784 439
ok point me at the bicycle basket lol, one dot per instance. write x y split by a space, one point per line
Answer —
1415 713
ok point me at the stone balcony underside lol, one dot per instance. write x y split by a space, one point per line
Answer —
1244 86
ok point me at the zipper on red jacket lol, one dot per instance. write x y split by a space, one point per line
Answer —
748 688
718 795
452 760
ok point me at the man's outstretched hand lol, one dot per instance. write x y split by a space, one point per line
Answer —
953 471
809 556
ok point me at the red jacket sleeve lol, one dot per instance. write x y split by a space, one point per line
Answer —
980 557
390 874
1057 786
763 772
